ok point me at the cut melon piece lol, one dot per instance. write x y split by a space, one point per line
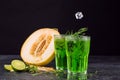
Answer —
38 48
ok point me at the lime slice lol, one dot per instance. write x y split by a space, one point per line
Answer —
8 67
18 65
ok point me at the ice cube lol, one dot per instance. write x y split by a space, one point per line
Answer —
79 15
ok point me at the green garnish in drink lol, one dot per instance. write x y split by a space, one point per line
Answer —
80 32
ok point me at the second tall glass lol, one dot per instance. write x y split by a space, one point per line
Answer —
60 52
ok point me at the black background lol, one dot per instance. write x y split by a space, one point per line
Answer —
19 18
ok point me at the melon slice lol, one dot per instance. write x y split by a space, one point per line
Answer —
38 48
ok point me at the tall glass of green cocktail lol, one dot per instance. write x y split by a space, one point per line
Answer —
77 51
60 52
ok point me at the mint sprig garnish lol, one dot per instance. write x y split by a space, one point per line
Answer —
80 32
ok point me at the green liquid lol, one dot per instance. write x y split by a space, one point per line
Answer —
60 54
77 50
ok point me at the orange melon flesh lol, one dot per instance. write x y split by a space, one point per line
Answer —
38 48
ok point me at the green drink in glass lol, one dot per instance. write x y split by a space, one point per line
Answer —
77 51
60 52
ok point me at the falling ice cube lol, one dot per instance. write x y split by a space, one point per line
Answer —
79 15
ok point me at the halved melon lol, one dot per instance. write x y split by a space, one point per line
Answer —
38 48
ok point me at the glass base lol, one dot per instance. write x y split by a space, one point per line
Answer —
76 76
85 72
60 69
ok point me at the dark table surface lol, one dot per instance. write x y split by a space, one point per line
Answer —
100 68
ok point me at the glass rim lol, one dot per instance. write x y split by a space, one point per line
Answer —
67 35
60 35
79 35
70 35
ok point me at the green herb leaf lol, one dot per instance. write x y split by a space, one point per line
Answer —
80 32
32 68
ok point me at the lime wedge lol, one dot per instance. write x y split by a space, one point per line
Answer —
18 65
8 67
